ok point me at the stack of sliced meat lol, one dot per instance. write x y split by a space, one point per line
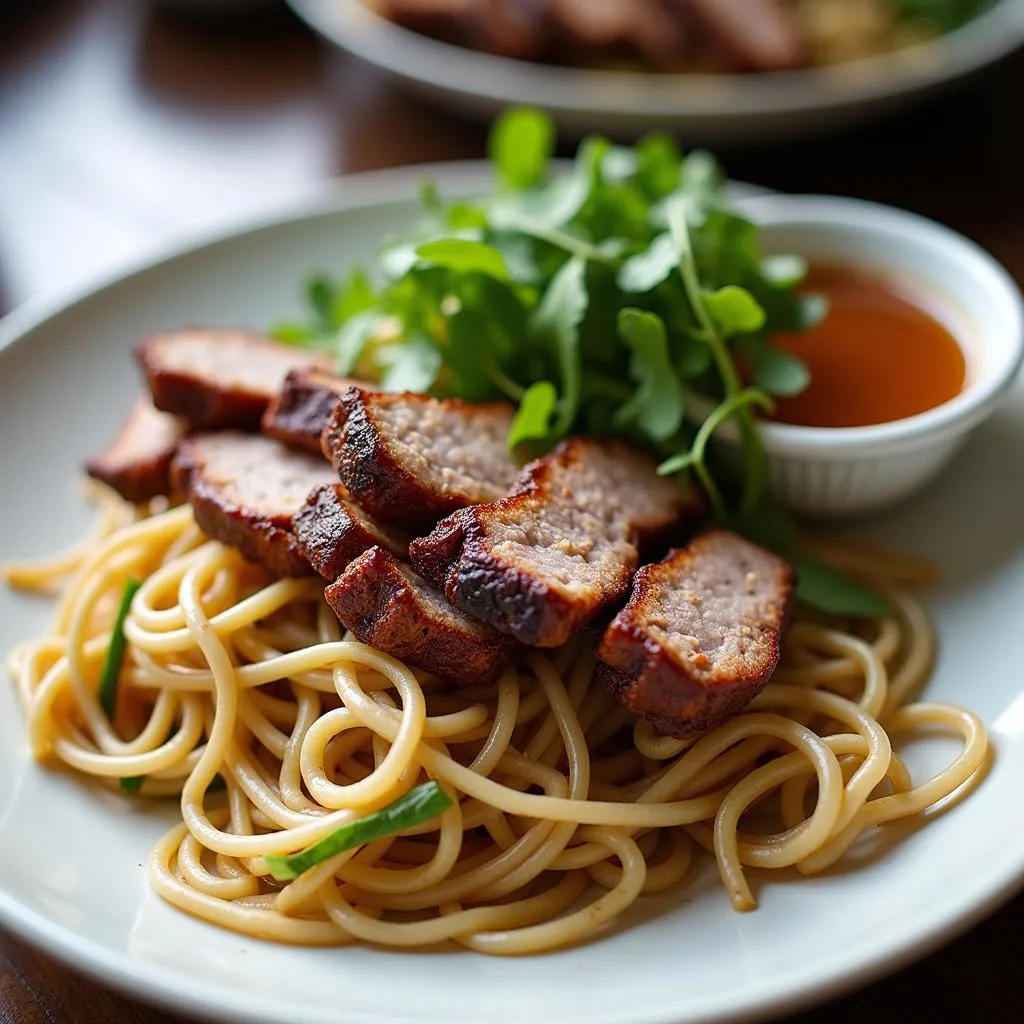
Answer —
437 548
721 35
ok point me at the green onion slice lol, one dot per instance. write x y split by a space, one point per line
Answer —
115 652
417 806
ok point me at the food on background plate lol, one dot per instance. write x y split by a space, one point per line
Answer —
726 36
592 659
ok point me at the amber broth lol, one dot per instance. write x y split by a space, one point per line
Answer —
877 356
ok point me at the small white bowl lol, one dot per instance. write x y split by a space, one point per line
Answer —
842 471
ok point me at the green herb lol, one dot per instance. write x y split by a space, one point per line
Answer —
598 299
826 588
774 371
657 407
417 806
464 254
521 145
943 15
720 314
533 419
111 673
131 783
557 323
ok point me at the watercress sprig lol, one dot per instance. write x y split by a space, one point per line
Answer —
599 299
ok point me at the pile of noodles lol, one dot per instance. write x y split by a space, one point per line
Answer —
242 697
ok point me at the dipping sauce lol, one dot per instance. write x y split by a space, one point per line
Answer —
875 358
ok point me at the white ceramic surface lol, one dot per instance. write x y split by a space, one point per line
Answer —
708 108
71 857
835 472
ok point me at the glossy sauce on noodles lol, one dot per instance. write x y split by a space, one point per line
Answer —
878 356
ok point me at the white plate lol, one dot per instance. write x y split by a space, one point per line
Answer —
71 857
709 108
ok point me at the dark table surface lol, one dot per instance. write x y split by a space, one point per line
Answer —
122 125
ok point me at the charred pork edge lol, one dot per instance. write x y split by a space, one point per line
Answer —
375 600
640 665
259 539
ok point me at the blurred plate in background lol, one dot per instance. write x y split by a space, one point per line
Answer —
705 107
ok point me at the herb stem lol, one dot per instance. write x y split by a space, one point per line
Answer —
563 240
756 469
711 490
504 383
738 402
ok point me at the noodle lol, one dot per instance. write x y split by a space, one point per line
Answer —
567 809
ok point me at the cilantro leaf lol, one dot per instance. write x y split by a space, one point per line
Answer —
289 333
533 419
352 339
463 254
430 199
657 407
355 295
558 320
589 298
734 310
648 269
320 296
466 217
412 365
775 370
693 358
659 166
831 591
521 143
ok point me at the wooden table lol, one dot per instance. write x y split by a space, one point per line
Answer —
120 126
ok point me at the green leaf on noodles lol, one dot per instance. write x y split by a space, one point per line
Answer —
823 587
115 652
418 805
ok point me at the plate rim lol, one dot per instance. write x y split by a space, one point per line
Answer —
155 984
481 78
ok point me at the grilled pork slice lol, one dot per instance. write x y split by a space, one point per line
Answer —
409 459
759 35
613 28
246 491
332 531
700 635
511 29
217 378
138 462
562 547
297 415
389 607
